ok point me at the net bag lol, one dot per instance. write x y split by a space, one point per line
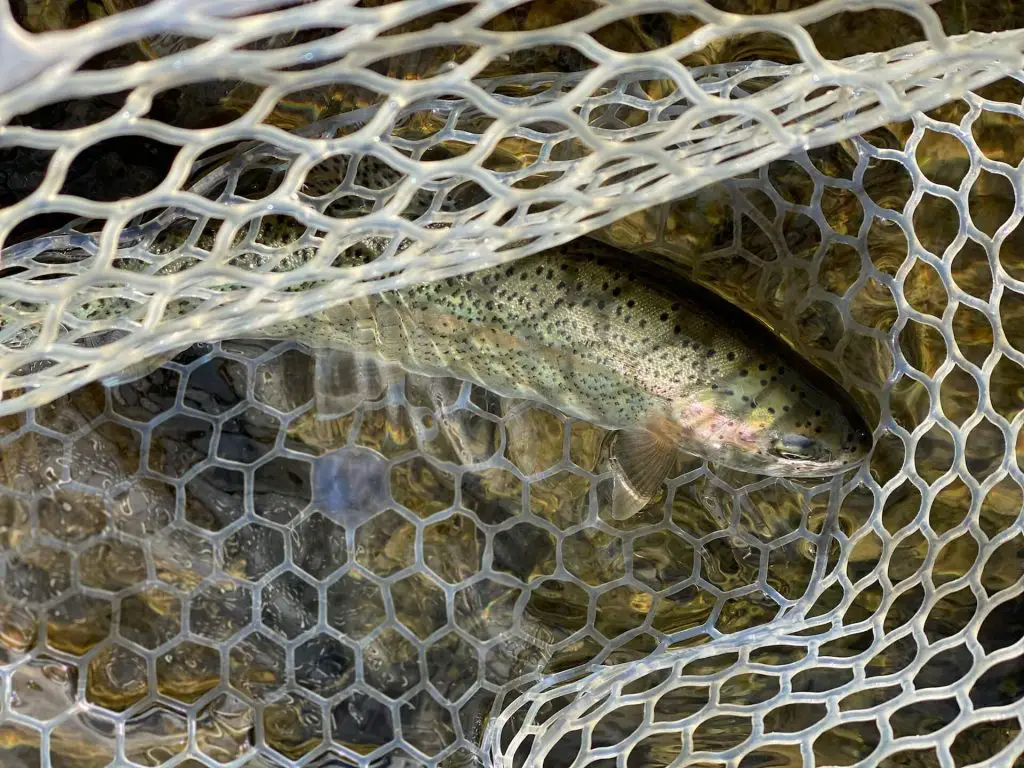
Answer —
417 92
203 567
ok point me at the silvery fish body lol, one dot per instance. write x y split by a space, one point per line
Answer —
599 335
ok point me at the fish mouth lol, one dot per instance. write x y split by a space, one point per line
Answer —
774 466
807 468
798 455
801 448
784 457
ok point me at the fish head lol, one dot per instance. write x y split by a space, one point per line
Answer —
818 437
773 418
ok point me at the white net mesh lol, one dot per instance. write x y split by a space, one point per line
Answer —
905 282
417 87
199 571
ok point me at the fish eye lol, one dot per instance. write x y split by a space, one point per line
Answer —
800 448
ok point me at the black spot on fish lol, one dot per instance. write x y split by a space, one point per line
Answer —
616 292
743 373
677 330
730 356
762 367
764 382
771 411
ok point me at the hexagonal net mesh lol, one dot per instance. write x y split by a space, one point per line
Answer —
210 566
423 123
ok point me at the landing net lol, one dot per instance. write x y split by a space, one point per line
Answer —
200 571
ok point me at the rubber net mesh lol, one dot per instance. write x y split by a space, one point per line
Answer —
479 158
215 565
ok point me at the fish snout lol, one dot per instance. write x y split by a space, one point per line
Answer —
798 447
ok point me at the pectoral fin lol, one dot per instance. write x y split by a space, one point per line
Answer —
642 461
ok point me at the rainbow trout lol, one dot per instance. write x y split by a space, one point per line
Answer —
586 329
582 328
